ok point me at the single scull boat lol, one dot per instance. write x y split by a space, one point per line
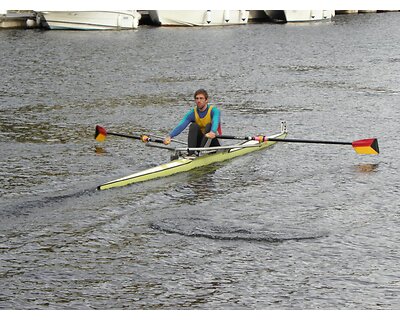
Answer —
186 163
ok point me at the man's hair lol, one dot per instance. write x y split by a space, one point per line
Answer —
201 91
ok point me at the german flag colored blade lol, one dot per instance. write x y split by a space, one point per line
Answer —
100 134
366 146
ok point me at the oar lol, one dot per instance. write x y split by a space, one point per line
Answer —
365 146
101 134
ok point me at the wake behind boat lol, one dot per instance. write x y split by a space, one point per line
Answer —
185 163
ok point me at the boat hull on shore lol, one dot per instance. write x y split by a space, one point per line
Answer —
89 20
300 15
198 18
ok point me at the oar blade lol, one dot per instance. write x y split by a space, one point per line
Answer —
366 146
100 134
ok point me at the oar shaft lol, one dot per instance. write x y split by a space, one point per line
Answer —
263 138
123 135
135 137
308 141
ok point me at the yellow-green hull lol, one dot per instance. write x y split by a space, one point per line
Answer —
187 164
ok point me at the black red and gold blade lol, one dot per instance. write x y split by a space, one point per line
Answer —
366 146
100 134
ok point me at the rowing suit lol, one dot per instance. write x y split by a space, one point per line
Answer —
200 122
202 118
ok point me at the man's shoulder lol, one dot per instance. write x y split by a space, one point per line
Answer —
213 108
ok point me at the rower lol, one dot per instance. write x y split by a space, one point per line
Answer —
204 120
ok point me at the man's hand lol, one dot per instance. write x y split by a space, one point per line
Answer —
167 140
210 135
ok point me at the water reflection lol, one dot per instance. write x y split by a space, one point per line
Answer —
99 150
199 186
366 167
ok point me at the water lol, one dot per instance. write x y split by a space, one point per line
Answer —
292 227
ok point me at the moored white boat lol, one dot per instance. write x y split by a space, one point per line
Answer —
258 16
300 15
199 17
89 20
18 19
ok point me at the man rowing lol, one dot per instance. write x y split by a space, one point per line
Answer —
204 120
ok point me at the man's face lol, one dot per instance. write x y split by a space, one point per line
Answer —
201 101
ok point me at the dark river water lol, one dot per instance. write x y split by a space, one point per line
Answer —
297 226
